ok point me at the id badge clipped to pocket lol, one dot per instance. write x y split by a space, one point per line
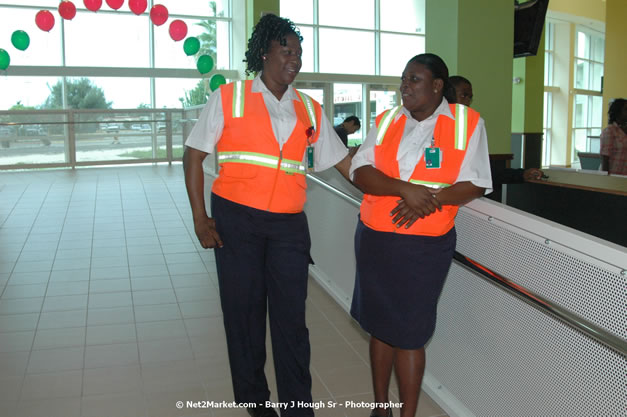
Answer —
310 150
310 158
432 157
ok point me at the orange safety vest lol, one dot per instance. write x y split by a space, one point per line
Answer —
254 171
452 137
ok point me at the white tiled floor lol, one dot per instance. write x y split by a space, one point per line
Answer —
109 308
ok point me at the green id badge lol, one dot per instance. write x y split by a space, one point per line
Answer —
432 157
310 158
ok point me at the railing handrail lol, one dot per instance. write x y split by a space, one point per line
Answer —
584 325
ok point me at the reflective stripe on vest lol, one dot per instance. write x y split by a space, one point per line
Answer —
309 107
461 126
269 161
238 102
386 121
238 98
430 184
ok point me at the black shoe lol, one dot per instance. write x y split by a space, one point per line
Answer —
262 411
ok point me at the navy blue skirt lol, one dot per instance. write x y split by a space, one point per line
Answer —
399 280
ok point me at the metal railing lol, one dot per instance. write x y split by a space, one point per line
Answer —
31 139
581 324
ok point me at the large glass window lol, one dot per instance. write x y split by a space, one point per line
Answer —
393 63
371 48
21 92
573 82
44 47
91 40
359 62
549 53
346 13
587 123
589 52
118 51
86 90
549 71
588 100
347 101
547 122
411 20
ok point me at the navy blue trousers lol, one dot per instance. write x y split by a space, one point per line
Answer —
262 271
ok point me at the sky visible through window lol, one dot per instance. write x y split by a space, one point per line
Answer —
103 39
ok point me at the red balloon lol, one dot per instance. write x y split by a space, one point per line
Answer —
44 20
137 6
158 14
93 5
67 10
178 30
115 4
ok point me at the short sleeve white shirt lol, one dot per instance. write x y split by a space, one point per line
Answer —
417 137
328 149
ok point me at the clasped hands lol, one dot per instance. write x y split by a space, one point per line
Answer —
417 202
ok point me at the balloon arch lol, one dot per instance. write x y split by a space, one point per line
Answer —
45 20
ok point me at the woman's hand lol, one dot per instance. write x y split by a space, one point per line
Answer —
532 174
417 202
207 234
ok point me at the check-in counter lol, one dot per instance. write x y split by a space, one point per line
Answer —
589 201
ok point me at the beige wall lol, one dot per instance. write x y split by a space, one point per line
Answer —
593 9
615 72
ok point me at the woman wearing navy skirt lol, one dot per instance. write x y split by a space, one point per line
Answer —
419 163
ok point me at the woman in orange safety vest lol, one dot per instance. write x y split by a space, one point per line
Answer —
416 167
267 136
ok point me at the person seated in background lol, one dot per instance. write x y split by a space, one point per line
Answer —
464 95
463 89
349 126
614 139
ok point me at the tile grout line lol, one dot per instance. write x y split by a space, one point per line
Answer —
91 252
24 244
207 274
149 208
128 265
41 309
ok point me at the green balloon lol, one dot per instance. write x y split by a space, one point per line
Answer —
5 59
191 46
20 40
204 64
216 81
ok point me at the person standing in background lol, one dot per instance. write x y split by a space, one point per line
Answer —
614 139
349 126
463 94
268 136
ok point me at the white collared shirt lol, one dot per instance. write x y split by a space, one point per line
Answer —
328 149
417 137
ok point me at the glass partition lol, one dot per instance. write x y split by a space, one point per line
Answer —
91 137
107 40
347 101
381 100
33 138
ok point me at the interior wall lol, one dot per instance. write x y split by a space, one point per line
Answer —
483 56
255 8
593 9
614 80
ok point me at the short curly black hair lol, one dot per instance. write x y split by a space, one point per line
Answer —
269 28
